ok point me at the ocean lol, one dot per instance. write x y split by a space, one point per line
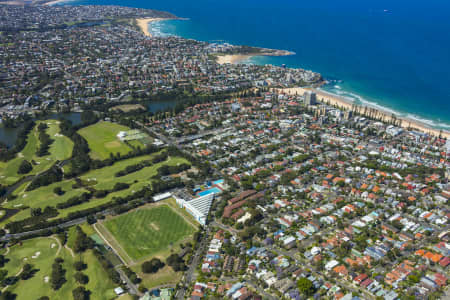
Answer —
392 54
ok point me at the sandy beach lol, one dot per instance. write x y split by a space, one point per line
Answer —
232 58
143 24
347 104
239 58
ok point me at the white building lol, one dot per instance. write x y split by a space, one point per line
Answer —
198 207
161 197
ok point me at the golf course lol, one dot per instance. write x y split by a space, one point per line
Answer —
60 149
41 253
99 179
119 170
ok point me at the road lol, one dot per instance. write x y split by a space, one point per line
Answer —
70 223
225 227
262 292
189 274
132 288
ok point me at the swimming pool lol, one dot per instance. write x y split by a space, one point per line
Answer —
214 190
218 181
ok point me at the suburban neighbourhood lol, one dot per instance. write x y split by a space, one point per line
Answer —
235 187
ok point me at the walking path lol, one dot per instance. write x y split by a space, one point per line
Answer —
70 250
59 244
18 273
109 244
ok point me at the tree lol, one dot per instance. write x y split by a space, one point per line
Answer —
91 219
413 279
27 272
88 117
176 262
7 295
79 265
305 286
58 191
80 293
25 167
3 274
57 277
81 278
82 241
152 266
35 212
3 260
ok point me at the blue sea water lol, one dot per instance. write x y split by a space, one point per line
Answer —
394 53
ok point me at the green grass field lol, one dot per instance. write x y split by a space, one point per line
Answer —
102 139
101 178
60 149
164 276
149 231
41 252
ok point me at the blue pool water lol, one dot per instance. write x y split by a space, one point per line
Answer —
214 190
218 181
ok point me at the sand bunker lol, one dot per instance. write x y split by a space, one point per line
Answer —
154 226
36 255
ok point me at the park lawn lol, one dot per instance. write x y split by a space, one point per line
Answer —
187 216
164 276
136 143
99 283
87 229
125 297
149 231
60 149
102 139
127 107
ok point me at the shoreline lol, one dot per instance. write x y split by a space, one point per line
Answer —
384 113
386 116
143 23
238 58
232 58
50 3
